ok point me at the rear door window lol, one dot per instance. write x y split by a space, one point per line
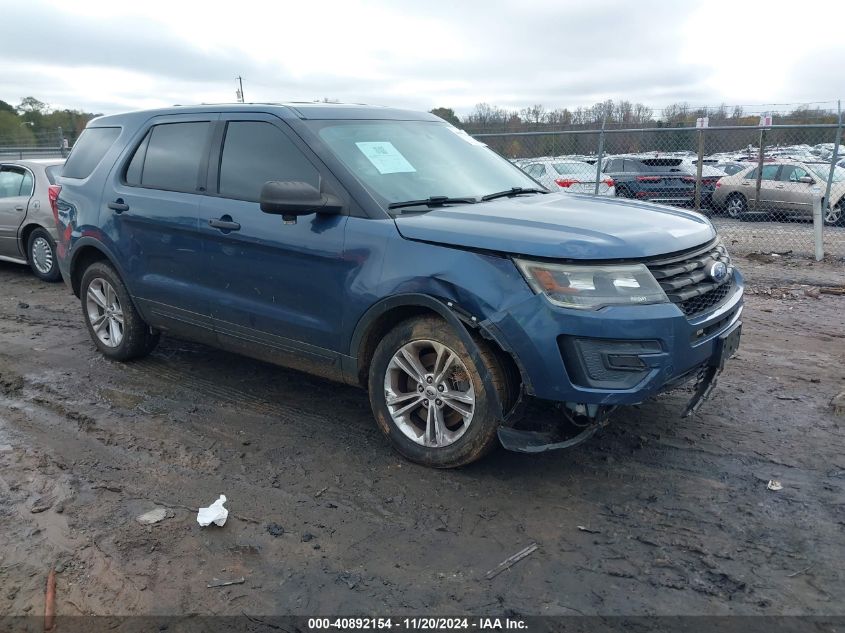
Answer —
169 157
11 180
89 150
770 172
255 152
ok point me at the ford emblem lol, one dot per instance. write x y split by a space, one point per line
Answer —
718 271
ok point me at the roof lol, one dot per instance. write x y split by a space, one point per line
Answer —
43 162
304 110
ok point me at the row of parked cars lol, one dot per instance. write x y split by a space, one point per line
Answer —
385 249
787 186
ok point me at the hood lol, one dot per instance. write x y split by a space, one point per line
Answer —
562 226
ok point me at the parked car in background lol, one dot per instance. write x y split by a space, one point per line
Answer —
387 249
730 167
571 176
786 191
664 180
27 226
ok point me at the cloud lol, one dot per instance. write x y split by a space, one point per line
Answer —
109 56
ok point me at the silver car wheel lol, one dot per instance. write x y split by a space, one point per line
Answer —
42 255
735 207
833 215
104 312
429 393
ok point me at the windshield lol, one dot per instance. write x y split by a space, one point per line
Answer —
415 160
822 172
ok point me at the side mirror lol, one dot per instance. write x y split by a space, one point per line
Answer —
807 180
294 197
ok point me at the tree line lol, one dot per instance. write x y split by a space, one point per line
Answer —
625 115
486 118
35 123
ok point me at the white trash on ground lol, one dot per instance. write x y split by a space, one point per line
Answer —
774 485
215 513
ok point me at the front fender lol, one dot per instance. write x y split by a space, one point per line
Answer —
457 318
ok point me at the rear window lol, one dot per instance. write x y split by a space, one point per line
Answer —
53 172
572 168
169 158
89 150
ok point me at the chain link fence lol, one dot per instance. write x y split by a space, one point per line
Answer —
775 189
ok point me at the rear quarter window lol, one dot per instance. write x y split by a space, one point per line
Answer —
89 150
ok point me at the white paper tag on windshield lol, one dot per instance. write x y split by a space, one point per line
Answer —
463 135
385 157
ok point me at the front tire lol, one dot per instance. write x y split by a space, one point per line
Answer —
41 255
114 324
836 215
428 397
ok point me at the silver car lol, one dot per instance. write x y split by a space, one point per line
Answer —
786 191
572 176
27 226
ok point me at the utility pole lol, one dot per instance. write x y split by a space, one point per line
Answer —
240 91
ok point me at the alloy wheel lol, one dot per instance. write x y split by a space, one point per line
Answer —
104 312
735 207
429 393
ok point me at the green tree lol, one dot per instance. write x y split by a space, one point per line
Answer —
7 107
447 114
14 131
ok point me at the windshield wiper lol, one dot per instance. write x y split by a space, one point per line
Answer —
433 201
513 191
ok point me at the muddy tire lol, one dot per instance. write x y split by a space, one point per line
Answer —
114 324
428 397
41 255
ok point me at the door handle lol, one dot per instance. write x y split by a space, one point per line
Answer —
118 206
224 225
19 208
780 186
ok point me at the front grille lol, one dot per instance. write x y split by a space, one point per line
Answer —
687 282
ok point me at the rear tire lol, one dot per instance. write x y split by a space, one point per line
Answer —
428 397
114 324
41 255
736 206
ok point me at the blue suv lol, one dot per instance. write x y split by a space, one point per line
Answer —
388 249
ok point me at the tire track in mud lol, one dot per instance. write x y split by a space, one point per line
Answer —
309 423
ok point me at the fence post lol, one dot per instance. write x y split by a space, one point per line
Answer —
759 170
600 156
61 141
817 223
699 168
826 199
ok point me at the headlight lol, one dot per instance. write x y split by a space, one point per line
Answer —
592 287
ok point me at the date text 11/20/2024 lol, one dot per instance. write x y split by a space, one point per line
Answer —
417 624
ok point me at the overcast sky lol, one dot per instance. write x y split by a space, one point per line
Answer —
108 55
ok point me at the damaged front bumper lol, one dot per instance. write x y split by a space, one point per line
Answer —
592 362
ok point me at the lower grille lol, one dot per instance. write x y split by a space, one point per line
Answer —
704 302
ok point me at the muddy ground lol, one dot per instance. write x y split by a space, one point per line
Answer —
677 513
